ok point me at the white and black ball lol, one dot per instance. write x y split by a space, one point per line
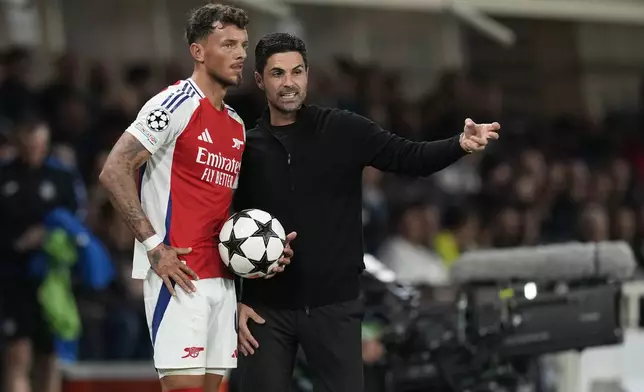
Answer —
251 242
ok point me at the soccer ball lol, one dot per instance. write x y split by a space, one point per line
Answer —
251 243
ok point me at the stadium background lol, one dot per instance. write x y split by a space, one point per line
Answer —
564 78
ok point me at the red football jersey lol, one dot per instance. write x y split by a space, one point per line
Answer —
187 184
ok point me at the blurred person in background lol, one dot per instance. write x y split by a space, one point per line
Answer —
29 190
138 79
601 188
625 186
114 319
7 149
409 254
460 230
624 225
375 210
563 216
593 224
64 84
506 230
16 98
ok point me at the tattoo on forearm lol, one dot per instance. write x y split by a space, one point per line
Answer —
126 157
133 215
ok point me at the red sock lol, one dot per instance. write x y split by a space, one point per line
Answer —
187 390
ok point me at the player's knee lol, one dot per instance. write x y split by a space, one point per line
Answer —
179 380
19 356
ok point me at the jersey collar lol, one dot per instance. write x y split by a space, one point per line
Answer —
196 88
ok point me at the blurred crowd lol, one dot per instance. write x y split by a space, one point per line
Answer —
546 180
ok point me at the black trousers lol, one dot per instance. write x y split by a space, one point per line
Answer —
330 337
21 316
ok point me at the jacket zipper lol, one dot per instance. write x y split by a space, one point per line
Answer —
288 159
290 170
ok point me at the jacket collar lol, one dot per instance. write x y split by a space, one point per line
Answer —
304 117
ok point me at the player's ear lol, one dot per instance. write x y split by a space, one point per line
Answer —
259 81
197 52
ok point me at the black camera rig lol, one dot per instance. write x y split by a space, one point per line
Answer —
491 337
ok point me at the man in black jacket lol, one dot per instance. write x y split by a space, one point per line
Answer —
29 190
304 164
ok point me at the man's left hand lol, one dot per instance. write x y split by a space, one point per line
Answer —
286 256
475 136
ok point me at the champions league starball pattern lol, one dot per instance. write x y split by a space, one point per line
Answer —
251 243
158 120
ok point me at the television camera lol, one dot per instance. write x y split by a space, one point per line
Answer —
511 306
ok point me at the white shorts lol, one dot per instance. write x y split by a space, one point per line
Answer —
192 331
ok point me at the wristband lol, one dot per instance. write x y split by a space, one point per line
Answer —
152 242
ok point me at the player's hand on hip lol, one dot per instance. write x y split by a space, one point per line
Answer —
475 136
247 343
286 256
165 261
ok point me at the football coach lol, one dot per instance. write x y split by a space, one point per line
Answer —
303 164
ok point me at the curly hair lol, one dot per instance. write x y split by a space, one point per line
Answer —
201 20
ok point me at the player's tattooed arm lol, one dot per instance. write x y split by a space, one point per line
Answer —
118 178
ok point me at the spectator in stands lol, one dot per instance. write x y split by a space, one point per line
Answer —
507 228
375 214
7 149
408 253
594 224
16 97
460 234
64 84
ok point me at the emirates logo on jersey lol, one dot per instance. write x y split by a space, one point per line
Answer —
219 169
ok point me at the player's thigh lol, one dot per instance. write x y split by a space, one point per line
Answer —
331 337
221 352
214 377
178 325
174 379
270 368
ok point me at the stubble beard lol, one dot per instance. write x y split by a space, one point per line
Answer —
226 82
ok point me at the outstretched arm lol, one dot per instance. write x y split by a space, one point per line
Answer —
389 152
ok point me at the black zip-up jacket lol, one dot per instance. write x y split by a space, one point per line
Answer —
27 195
316 191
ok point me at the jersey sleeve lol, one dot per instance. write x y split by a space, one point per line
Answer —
160 122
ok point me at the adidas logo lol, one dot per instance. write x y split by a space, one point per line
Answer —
205 137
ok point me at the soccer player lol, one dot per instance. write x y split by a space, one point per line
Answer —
308 162
187 145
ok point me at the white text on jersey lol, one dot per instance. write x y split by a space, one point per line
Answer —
217 166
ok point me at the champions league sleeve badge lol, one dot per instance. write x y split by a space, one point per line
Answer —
158 120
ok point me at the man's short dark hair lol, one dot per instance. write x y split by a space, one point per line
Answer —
273 43
201 20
